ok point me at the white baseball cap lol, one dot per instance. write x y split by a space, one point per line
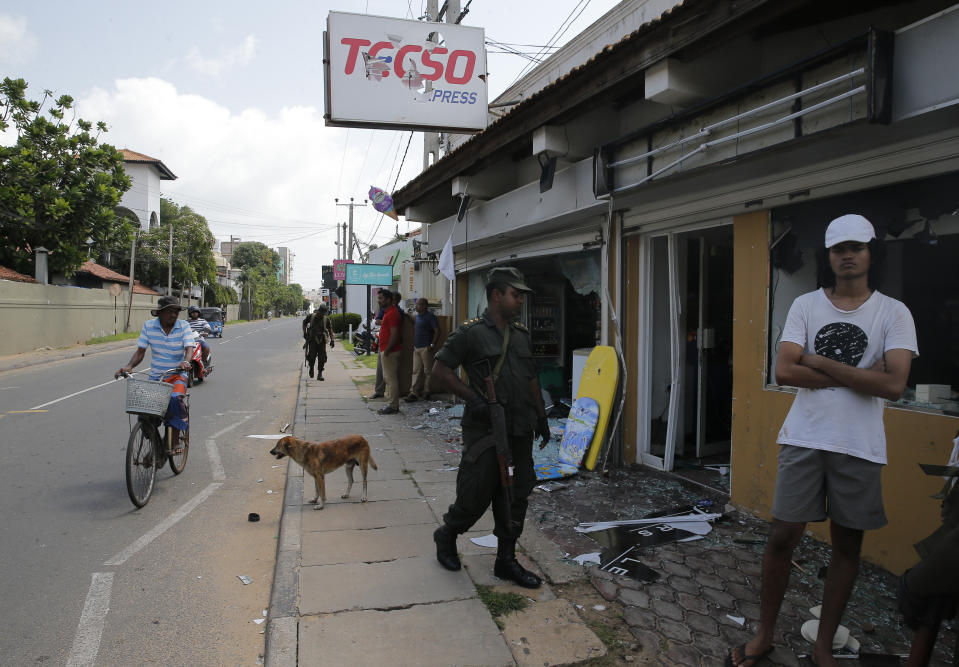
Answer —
849 227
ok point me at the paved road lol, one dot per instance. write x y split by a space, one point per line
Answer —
86 579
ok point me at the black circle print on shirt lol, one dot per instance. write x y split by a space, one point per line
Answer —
843 342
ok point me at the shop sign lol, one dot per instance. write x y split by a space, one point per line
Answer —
369 274
339 268
394 73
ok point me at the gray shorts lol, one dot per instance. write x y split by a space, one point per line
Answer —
813 484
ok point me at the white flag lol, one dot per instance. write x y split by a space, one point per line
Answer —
446 260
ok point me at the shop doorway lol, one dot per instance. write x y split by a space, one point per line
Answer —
685 379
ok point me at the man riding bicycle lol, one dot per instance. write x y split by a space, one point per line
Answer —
171 341
200 326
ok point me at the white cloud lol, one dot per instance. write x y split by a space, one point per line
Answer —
229 58
17 44
230 164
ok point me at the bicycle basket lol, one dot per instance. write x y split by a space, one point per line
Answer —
147 397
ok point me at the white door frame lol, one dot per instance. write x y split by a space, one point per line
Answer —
645 339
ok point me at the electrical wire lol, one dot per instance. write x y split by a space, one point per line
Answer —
556 35
382 215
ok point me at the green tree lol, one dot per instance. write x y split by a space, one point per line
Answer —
58 185
193 262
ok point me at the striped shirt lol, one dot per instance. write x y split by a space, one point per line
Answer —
166 349
199 325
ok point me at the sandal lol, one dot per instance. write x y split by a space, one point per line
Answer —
752 659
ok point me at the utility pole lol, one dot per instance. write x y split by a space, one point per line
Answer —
169 278
348 236
133 254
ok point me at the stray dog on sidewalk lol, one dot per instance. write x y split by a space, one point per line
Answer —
319 458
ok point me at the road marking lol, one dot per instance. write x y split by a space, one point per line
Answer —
215 463
232 426
86 645
25 412
163 526
76 393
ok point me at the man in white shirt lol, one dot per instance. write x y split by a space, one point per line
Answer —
847 347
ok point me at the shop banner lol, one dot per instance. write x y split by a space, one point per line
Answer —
369 274
339 268
398 74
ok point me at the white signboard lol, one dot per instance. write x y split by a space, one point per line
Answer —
398 74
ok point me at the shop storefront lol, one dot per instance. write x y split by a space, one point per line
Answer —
563 314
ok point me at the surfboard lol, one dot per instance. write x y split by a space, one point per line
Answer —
576 439
599 381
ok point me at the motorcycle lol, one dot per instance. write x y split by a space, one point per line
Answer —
198 369
359 341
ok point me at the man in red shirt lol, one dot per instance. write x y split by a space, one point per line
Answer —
391 342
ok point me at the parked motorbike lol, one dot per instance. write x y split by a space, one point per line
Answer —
199 370
359 341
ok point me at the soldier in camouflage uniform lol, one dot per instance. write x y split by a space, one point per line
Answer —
477 346
318 333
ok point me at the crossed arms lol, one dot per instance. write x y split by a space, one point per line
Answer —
885 379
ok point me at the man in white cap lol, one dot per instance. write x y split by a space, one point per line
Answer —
848 348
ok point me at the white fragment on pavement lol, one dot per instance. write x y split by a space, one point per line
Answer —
258 620
245 579
449 469
588 558
259 480
736 619
599 607
269 490
485 541
434 411
276 466
419 427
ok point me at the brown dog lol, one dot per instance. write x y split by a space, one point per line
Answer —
319 458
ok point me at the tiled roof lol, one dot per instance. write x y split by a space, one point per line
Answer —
101 271
104 273
10 274
142 289
140 158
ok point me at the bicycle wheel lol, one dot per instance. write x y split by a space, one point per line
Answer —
141 462
178 460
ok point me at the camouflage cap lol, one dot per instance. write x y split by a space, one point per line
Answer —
508 275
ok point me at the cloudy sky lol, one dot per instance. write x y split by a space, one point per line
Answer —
229 95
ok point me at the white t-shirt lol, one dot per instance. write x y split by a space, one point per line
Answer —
839 419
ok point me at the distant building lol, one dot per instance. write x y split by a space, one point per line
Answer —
142 201
286 265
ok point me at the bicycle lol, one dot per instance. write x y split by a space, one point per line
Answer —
147 452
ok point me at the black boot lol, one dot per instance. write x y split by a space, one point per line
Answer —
446 548
311 371
507 567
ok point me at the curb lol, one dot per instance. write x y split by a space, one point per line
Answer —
282 636
49 356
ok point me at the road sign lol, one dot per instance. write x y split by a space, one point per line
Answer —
369 274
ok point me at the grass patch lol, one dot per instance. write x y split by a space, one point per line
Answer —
114 337
501 604
407 471
368 360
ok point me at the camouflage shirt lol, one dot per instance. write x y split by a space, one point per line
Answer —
478 341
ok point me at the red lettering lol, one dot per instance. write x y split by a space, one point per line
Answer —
355 44
375 49
451 66
437 67
398 65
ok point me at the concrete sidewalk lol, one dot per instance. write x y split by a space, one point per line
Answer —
358 583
